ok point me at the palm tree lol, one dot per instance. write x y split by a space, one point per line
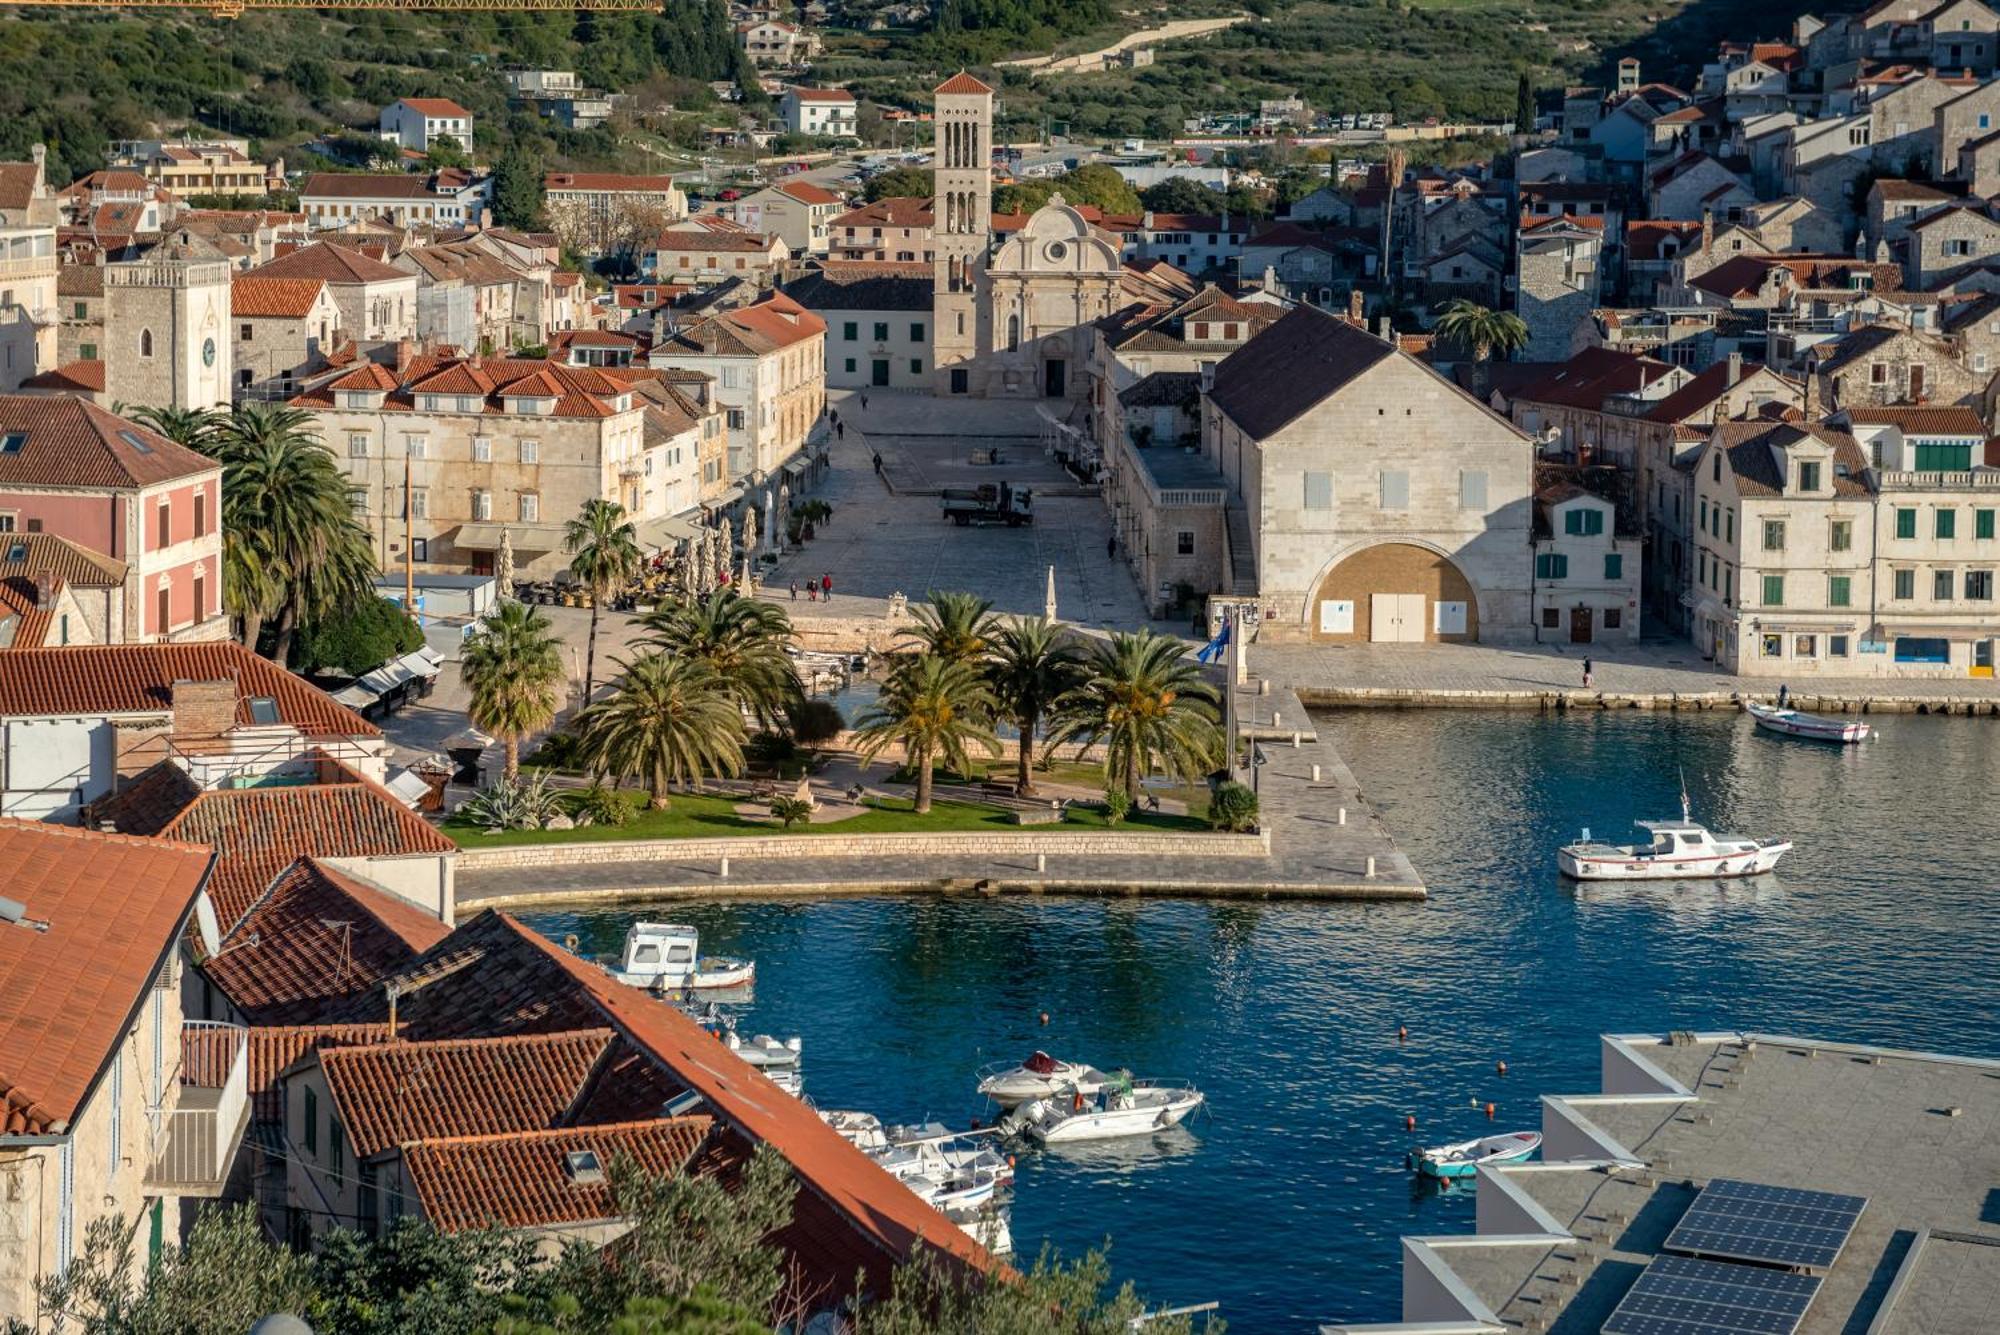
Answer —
604 553
958 627
741 640
284 496
1482 329
1146 701
195 428
251 584
513 670
938 710
1033 664
668 719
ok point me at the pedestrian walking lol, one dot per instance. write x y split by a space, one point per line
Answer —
878 463
864 403
795 590
1111 547
1586 673
826 586
812 592
840 430
1784 694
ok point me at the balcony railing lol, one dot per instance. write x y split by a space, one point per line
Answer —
1982 479
196 1143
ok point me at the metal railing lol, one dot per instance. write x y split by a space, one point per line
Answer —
199 1136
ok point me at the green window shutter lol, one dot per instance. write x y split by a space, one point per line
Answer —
1573 522
1614 566
1947 523
850 331
1774 590
1839 590
1561 566
1906 523
1593 522
1982 523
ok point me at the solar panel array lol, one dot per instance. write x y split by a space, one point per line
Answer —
1747 1221
1683 1295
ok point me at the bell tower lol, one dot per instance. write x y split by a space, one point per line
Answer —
961 227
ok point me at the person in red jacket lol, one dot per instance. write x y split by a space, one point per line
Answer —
825 586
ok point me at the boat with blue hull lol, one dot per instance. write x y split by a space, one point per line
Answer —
1464 1158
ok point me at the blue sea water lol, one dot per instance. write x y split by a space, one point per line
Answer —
1285 1204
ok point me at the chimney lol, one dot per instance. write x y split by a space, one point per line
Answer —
1707 230
1382 330
1735 368
45 593
203 708
1811 408
39 155
404 352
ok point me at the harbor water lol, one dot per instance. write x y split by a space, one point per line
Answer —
1286 1202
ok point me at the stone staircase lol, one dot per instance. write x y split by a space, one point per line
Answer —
1242 554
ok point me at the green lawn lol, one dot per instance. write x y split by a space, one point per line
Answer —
708 817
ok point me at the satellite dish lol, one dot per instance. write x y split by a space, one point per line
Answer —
211 931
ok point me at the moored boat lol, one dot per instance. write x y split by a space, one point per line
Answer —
1039 1077
1464 1158
1125 1107
1813 727
664 957
775 1061
1680 850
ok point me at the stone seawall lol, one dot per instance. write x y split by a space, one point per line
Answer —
1844 702
878 846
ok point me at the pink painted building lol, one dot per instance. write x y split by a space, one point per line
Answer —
73 469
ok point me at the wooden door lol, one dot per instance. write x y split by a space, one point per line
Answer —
1383 610
1579 625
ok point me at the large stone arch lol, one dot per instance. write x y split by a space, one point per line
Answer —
1400 566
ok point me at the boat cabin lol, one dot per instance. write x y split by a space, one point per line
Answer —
660 949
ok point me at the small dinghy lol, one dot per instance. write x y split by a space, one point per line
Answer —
859 1129
775 1061
1125 1107
1680 850
1464 1158
1812 727
664 957
1039 1077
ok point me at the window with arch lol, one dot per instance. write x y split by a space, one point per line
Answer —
1014 333
145 342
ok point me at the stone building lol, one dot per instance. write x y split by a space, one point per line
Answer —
895 229
707 257
1587 575
469 449
878 322
768 363
1888 364
962 208
1363 496
797 212
1558 271
28 318
377 301
166 328
285 328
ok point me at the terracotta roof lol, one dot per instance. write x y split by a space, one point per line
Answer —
820 94
397 1092
633 296
60 559
80 377
1645 237
1922 419
1749 446
436 106
273 1048
350 185
1899 190
24 621
1697 394
807 193
523 1180
17 184
74 444
80 280
961 82
756 242
253 298
116 907
890 211
367 376
104 679
607 182
316 938
329 263
259 832
1594 375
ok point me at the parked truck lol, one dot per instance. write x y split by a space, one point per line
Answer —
1006 503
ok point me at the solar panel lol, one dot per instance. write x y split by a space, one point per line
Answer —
1681 1295
1748 1221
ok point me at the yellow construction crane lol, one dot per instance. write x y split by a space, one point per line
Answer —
230 9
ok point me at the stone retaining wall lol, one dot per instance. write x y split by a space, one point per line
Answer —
1361 697
998 844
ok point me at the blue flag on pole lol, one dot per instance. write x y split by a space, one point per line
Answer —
1212 651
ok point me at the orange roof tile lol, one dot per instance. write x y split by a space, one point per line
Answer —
523 1180
607 182
331 264
71 443
436 106
272 1048
102 679
397 1092
116 907
254 298
78 377
961 82
317 937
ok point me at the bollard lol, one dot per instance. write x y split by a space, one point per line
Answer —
725 867
1274 718
1041 862
1343 817
1371 867
1295 739
1264 687
1315 773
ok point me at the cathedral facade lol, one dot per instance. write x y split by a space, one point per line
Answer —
1012 318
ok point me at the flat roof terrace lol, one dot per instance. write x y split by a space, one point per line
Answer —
1560 1243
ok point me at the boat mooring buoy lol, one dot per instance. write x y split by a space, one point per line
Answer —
1501 1067
1402 1033
1489 1110
1409 1122
1045 1017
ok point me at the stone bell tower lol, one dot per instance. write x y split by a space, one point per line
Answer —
961 227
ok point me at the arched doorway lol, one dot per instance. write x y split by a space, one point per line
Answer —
1394 592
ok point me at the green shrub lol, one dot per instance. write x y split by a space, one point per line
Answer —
526 803
816 722
1234 807
605 806
368 635
791 810
1117 805
770 748
558 750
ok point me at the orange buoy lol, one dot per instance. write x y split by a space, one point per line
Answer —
1500 1067
1489 1111
1409 1122
1010 1161
1045 1017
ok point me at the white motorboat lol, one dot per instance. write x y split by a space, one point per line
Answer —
986 1225
936 1182
861 1130
1125 1107
665 957
1813 727
1039 1077
775 1061
1680 850
948 1152
1464 1158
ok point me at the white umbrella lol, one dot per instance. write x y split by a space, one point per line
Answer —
1049 598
